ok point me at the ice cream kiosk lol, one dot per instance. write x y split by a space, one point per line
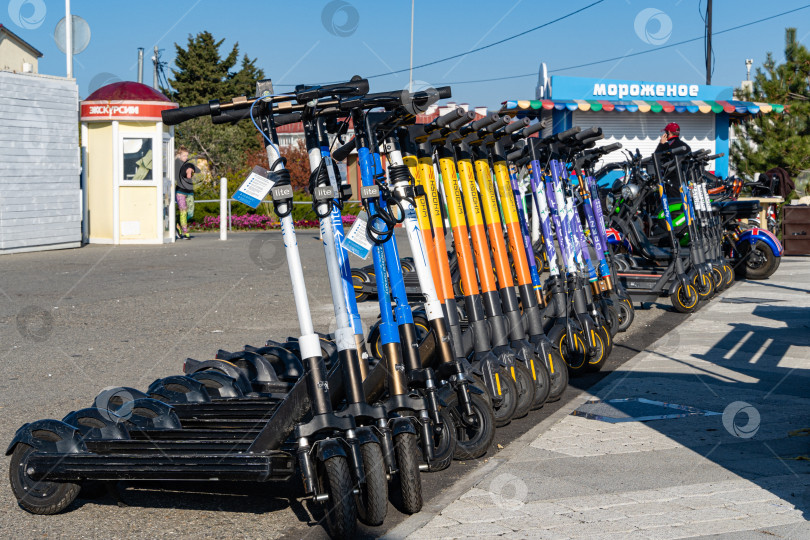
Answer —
128 173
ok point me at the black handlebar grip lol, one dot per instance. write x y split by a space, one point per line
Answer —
591 140
445 119
357 86
343 152
481 123
678 151
714 156
565 135
444 92
456 124
588 133
504 120
288 118
610 148
531 130
172 117
517 154
231 116
516 125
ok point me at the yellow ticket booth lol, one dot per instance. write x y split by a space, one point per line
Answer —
128 174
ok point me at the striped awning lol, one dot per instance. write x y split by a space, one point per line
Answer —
730 107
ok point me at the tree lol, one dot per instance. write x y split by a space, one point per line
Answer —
202 75
778 140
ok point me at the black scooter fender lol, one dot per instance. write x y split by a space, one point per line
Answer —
329 448
70 439
402 425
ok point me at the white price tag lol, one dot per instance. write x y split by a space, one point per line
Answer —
255 187
357 242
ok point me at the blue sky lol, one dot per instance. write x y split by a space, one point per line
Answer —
297 42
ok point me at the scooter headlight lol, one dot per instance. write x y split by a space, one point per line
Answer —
610 202
630 191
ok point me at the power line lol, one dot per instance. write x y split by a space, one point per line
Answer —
471 51
588 64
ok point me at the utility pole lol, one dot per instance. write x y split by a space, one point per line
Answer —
156 59
708 41
69 39
410 76
140 64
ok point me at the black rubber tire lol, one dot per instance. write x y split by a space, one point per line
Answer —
473 438
558 373
506 411
703 285
408 481
444 443
358 282
626 314
38 497
684 300
525 389
577 358
760 261
372 502
718 278
542 382
612 316
340 509
600 355
728 273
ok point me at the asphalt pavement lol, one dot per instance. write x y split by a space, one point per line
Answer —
76 321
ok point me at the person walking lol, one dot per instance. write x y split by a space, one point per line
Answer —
184 190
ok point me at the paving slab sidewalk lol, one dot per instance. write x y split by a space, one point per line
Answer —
731 457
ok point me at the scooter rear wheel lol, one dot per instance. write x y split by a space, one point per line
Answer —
372 502
340 508
38 496
408 481
684 300
576 356
626 314
509 398
474 435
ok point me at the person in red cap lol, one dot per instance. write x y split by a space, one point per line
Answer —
670 140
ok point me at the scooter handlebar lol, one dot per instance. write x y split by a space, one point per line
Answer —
589 134
457 124
445 119
529 130
343 152
565 135
488 120
517 154
357 86
172 117
607 149
516 125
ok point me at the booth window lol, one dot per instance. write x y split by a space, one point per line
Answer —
137 158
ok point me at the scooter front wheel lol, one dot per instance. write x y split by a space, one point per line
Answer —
703 285
626 314
601 350
372 501
507 389
408 479
684 299
524 385
575 354
444 442
473 435
728 275
340 507
718 278
558 374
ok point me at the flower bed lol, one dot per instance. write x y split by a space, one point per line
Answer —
248 222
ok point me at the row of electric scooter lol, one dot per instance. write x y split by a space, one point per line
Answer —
360 418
